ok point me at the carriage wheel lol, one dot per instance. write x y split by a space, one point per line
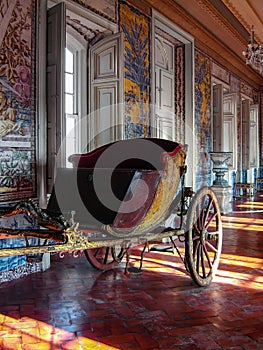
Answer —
104 258
203 237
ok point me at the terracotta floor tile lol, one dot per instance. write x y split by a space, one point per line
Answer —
73 306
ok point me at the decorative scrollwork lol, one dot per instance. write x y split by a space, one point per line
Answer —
74 253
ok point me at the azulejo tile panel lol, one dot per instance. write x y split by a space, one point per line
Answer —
202 119
17 118
136 28
17 101
15 222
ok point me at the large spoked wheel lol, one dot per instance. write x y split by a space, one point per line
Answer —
104 258
203 237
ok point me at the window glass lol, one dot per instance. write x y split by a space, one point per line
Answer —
71 109
69 61
69 104
69 83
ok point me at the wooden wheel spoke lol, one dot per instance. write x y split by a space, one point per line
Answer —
196 228
196 248
202 261
196 238
214 249
208 210
197 255
211 219
208 257
97 251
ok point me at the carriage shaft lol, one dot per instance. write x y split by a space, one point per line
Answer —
74 241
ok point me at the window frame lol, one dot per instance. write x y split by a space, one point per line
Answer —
250 144
224 121
73 134
78 46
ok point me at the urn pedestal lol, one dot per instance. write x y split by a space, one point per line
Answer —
220 185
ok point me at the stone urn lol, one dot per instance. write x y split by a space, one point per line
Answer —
220 167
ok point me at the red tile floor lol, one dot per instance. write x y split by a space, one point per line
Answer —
73 306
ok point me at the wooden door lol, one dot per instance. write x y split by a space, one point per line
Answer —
245 134
106 91
164 89
253 136
230 128
218 118
56 44
250 148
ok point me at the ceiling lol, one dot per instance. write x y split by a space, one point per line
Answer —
229 23
228 18
248 13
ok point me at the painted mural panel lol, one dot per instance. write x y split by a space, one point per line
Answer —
106 8
220 72
136 27
17 156
203 119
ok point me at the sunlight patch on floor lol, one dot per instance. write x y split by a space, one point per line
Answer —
251 276
15 333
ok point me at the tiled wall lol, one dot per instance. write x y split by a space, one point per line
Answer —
17 100
16 266
136 28
203 172
17 121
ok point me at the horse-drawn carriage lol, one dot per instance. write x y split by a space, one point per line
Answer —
122 194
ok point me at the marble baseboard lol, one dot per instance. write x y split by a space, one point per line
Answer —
20 271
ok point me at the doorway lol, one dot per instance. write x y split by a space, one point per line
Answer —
173 87
73 35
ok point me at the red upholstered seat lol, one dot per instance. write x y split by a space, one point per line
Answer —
141 153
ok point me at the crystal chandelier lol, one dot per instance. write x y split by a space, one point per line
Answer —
254 53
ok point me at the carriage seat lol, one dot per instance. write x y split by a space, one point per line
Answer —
140 153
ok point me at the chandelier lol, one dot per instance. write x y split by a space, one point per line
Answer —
254 53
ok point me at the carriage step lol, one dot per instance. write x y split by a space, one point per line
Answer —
161 248
132 270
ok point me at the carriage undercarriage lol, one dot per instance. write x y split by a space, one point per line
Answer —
203 241
198 226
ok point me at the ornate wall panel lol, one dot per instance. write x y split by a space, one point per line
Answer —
220 73
17 100
180 94
136 27
106 8
246 89
202 119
